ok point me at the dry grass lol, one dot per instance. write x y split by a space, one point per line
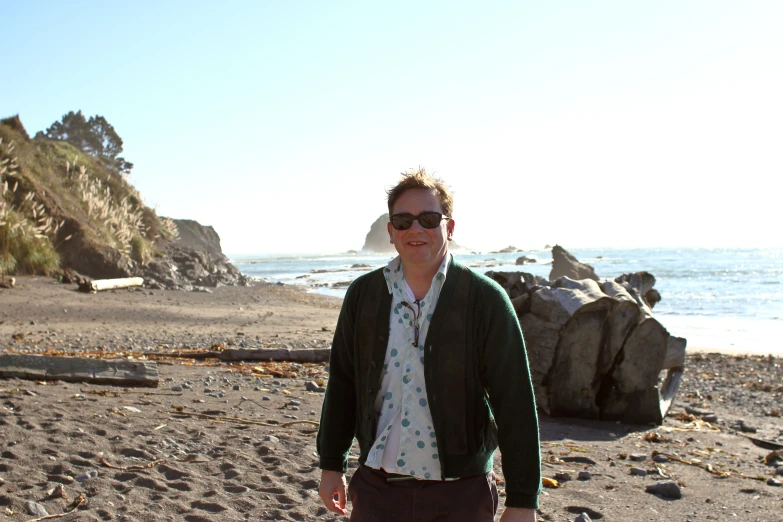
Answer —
47 186
168 228
26 230
121 221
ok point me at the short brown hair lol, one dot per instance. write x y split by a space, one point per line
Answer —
419 179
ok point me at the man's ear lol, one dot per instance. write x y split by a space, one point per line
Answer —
450 228
389 230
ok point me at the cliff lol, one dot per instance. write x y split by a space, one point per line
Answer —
64 211
197 236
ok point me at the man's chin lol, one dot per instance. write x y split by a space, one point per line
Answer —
416 258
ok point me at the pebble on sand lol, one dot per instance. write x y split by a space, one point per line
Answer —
87 475
666 489
312 386
35 509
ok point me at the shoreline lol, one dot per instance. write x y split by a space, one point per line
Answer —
235 441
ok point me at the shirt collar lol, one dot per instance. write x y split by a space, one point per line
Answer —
393 272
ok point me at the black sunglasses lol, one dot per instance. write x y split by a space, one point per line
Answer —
427 219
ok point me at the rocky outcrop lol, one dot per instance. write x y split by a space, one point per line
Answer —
193 259
595 349
175 265
202 238
564 264
183 268
377 239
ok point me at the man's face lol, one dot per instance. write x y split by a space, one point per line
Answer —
419 246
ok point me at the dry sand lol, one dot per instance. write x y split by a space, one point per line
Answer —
249 454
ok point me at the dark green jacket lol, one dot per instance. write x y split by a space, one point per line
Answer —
476 375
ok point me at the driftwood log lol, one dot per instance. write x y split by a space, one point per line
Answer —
316 355
98 285
313 355
595 349
119 372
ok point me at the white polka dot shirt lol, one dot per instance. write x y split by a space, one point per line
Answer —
405 439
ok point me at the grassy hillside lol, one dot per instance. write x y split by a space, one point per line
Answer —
62 208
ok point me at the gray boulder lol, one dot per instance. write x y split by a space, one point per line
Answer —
564 264
595 349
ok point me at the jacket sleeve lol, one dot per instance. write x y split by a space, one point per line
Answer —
338 414
506 377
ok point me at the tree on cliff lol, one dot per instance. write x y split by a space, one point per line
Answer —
95 137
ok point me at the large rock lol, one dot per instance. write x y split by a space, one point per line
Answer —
595 349
572 387
564 264
377 239
181 267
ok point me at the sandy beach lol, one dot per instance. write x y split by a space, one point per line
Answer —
218 441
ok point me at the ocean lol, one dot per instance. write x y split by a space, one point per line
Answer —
722 299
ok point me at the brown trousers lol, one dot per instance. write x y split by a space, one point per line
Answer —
376 499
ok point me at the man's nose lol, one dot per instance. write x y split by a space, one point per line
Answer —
416 225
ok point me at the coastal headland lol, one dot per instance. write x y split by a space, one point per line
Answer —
235 441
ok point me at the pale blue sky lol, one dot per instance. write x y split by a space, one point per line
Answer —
281 123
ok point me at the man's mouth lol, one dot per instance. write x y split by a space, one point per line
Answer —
416 243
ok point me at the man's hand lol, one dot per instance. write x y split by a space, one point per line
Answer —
512 514
333 483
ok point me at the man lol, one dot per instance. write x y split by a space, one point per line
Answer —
429 373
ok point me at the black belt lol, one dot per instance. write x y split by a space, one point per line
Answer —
396 477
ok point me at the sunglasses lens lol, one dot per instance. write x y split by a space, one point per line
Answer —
402 221
430 219
426 220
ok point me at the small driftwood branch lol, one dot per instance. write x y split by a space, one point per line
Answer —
185 354
709 468
79 369
148 465
313 355
239 420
